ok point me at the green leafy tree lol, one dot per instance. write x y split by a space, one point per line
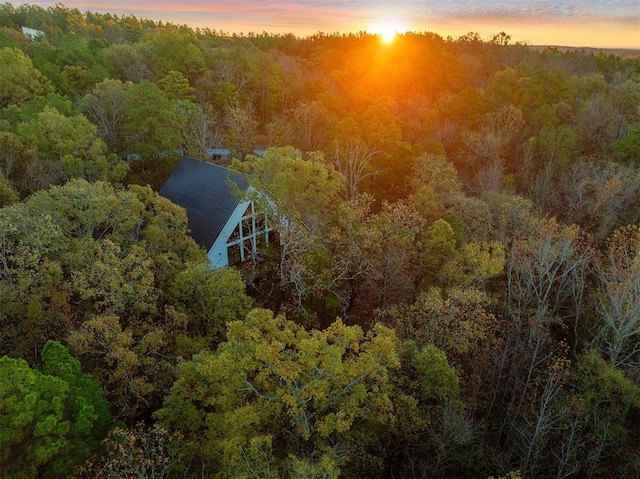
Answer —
474 263
128 62
87 211
591 431
8 195
117 282
76 60
20 81
474 216
439 245
393 253
165 237
150 120
373 257
175 49
460 323
603 400
303 188
431 435
51 419
28 275
628 148
363 148
71 147
16 160
299 196
211 299
434 182
152 127
92 265
276 388
176 86
37 105
132 361
12 38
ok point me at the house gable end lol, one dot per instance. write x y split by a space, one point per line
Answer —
217 254
206 192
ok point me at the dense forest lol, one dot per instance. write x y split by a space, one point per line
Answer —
455 294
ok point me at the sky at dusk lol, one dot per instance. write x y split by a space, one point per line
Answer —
578 23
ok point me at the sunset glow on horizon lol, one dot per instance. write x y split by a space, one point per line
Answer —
388 30
582 23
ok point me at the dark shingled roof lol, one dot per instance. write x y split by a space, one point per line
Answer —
205 191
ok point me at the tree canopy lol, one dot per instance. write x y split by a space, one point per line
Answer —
449 287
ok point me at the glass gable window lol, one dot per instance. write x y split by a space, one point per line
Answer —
249 234
233 254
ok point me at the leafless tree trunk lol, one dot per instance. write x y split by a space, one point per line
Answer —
619 301
353 158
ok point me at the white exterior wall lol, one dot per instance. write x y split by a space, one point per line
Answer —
218 253
32 32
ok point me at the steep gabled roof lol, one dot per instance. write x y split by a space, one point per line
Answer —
205 190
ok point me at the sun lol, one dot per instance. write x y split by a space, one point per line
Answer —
388 30
388 36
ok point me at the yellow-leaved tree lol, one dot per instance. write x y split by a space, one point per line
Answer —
276 397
